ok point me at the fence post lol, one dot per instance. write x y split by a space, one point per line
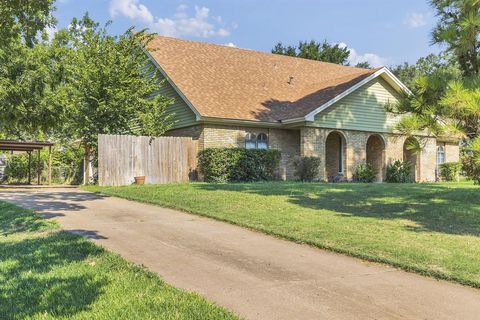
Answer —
50 165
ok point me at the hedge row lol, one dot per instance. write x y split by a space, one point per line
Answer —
238 164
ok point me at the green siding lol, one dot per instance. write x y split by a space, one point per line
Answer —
183 116
362 110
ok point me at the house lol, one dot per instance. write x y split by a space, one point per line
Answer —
230 97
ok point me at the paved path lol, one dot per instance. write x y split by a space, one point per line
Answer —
257 276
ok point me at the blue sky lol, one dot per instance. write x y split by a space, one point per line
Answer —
383 32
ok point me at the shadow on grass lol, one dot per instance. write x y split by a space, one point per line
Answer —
13 220
450 209
44 272
29 284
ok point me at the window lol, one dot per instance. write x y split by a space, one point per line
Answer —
250 141
256 142
440 157
262 141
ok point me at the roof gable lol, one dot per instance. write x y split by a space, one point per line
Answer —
231 83
386 74
362 109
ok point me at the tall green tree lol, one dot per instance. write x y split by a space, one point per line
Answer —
111 87
444 102
24 19
445 88
443 63
30 105
26 70
315 51
458 28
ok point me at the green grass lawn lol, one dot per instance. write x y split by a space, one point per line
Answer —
46 273
433 229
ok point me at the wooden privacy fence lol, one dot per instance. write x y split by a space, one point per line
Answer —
160 160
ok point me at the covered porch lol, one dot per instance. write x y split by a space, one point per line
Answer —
342 151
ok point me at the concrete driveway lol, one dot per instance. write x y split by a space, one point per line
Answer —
256 276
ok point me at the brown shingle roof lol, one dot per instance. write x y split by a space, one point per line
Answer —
234 83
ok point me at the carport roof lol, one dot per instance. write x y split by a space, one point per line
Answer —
13 145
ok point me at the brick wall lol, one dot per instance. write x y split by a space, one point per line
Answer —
312 144
195 132
287 141
356 150
452 152
310 141
428 160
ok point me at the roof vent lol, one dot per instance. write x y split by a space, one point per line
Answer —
290 80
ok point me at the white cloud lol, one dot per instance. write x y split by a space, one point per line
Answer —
416 20
182 23
373 59
230 44
131 9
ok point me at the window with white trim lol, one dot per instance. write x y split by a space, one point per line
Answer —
440 157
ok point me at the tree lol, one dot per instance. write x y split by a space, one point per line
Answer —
23 19
27 71
443 63
364 64
459 28
446 87
284 50
315 51
111 87
29 78
444 101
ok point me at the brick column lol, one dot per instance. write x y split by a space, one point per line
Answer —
428 159
356 151
452 152
394 148
287 141
312 144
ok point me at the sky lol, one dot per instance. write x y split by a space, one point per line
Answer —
382 32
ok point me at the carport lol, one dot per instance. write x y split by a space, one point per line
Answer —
29 147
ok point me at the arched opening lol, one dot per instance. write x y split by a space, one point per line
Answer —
411 154
376 155
335 159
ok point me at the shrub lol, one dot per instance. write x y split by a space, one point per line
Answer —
471 160
399 172
238 164
364 173
16 169
308 168
449 171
